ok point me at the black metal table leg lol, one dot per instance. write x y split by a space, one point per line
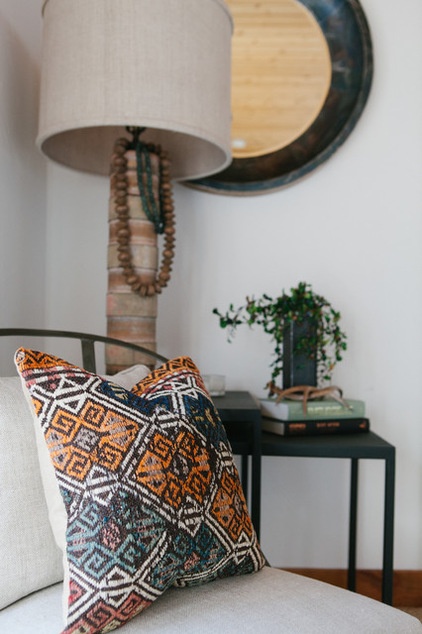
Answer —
245 472
256 475
387 577
351 573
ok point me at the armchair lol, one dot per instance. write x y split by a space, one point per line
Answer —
31 571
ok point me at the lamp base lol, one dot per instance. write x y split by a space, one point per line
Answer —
131 316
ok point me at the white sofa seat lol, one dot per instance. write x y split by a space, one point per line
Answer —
269 602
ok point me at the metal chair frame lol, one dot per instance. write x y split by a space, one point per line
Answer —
87 341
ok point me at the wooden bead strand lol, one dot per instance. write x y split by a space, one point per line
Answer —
121 185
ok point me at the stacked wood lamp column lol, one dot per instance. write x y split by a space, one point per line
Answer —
137 186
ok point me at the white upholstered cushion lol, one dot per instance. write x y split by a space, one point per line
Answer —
29 557
268 602
128 377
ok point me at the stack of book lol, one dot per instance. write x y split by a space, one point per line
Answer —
325 416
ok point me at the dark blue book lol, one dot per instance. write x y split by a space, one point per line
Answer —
315 427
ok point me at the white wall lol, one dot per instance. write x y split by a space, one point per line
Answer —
354 230
22 172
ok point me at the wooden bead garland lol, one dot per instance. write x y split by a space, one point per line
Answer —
119 170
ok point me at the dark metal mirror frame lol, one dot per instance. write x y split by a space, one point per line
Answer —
346 30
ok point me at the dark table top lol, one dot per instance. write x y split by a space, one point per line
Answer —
359 445
241 406
237 406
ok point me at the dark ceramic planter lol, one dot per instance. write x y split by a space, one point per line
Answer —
298 368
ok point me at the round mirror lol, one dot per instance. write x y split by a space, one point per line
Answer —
301 75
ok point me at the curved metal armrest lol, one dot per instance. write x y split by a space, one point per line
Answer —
87 341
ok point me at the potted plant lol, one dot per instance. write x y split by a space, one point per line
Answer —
304 327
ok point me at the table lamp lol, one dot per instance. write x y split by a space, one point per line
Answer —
138 90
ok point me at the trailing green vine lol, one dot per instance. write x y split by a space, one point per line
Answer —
275 314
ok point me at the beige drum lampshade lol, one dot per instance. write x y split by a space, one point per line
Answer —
160 64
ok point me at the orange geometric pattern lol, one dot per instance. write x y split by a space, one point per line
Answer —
174 470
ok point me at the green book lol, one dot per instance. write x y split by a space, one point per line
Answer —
323 408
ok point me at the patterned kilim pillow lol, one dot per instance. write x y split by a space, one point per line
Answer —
152 495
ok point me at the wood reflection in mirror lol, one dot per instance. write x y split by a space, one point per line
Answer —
281 74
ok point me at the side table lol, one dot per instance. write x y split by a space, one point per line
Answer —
355 447
241 415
